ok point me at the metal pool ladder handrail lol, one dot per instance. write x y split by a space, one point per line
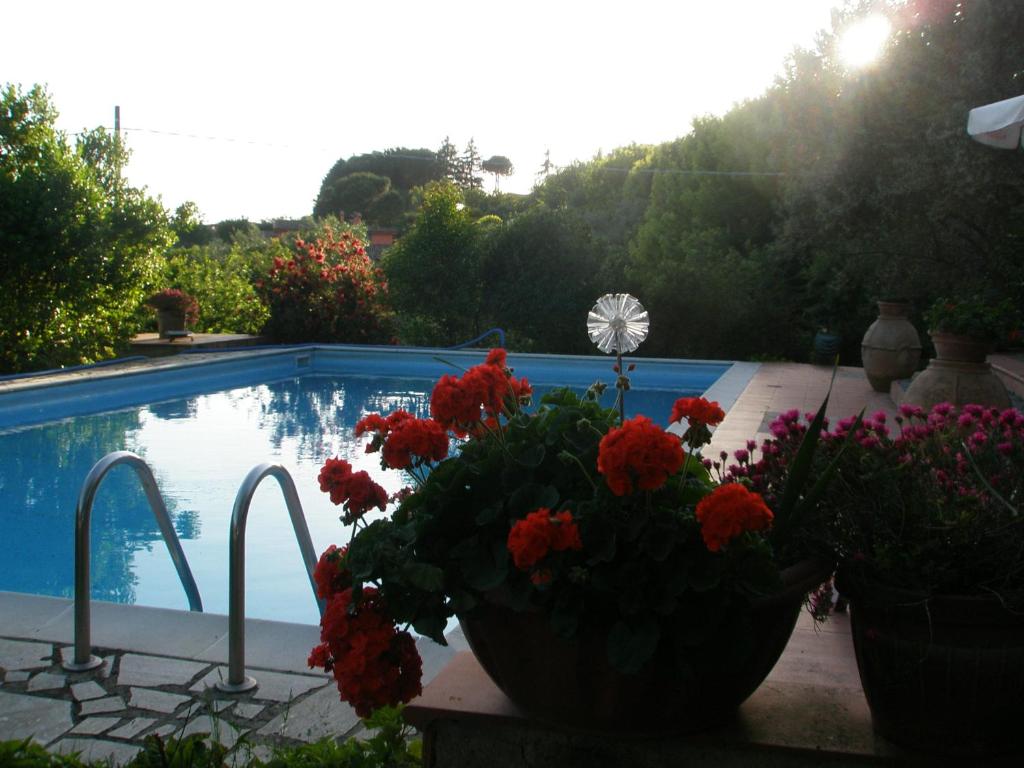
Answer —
83 658
238 681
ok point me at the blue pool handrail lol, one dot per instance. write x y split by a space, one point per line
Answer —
238 681
481 337
83 658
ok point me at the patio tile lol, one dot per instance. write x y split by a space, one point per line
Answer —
132 728
98 706
248 709
273 686
19 654
219 729
320 715
96 750
37 717
93 726
23 614
138 670
16 676
264 641
155 701
87 690
46 681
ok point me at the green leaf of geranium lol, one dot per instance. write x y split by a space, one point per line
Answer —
531 496
423 576
631 646
486 568
432 627
531 455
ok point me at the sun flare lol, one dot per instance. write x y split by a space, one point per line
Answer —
864 40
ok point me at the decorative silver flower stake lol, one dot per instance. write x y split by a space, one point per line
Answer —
617 323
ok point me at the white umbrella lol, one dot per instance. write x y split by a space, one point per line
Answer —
999 124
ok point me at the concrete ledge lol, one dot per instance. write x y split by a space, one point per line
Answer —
810 711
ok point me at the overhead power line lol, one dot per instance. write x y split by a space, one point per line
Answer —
556 168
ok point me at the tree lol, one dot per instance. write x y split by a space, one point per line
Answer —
187 223
546 168
499 165
433 271
549 248
79 249
448 158
404 168
354 193
469 167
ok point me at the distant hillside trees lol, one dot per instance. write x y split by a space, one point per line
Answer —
377 185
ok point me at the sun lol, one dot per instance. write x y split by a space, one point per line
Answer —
863 41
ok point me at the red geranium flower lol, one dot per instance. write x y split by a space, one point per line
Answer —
538 533
414 441
497 357
453 405
331 575
638 455
356 490
373 663
728 511
697 410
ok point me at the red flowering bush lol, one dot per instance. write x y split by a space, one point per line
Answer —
326 289
598 522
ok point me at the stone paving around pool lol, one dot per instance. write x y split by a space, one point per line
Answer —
107 713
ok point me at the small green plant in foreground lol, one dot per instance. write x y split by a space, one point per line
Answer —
388 747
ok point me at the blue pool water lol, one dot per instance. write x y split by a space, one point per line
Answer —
200 446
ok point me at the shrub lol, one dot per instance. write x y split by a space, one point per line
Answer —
326 289
222 286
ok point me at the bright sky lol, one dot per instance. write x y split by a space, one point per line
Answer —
244 107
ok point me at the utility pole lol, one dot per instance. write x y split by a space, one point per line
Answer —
117 149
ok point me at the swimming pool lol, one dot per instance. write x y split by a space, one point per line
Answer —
201 423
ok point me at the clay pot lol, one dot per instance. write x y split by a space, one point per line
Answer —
942 674
570 682
891 348
958 375
169 320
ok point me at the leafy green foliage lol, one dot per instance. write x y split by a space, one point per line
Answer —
401 168
78 247
222 286
390 745
975 317
30 754
551 246
433 272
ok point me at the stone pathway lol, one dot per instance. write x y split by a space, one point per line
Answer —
107 713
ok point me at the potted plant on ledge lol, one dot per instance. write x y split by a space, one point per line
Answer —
601 576
175 311
963 332
931 542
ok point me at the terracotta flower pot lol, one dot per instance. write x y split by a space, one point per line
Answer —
958 375
941 674
169 320
953 347
891 348
684 687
